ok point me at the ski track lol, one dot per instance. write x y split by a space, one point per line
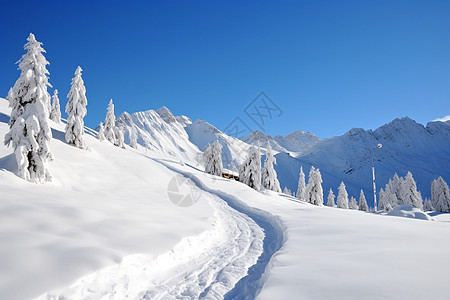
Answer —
228 261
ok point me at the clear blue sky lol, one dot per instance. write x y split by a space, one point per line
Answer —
329 65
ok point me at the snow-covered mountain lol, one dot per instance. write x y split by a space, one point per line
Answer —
295 143
161 131
406 146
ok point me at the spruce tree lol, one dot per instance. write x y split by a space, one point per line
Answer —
30 133
330 199
427 205
76 110
362 202
101 132
110 124
314 191
213 159
440 195
342 198
55 114
250 170
409 193
269 175
301 190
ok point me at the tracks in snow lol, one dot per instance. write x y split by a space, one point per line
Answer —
226 262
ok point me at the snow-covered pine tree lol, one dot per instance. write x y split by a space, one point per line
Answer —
330 199
110 124
287 191
314 191
362 202
352 204
76 111
120 139
29 132
133 139
101 132
55 114
301 190
342 198
213 158
427 205
250 170
409 193
440 195
269 175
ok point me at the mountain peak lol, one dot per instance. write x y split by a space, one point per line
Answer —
166 114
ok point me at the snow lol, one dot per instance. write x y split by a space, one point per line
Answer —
107 228
409 211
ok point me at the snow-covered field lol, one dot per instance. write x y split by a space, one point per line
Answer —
106 228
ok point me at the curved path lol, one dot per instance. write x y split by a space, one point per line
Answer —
226 262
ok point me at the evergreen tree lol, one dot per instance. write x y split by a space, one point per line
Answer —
133 139
55 114
120 140
440 195
76 110
428 206
330 199
101 132
110 124
409 193
301 190
269 175
314 191
287 191
352 204
250 170
342 198
213 159
362 202
30 133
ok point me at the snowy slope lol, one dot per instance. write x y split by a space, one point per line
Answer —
407 146
105 228
104 203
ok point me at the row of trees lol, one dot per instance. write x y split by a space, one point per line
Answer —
30 133
398 191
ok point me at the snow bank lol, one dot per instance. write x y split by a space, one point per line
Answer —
408 211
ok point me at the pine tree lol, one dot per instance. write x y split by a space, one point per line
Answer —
120 140
133 139
287 191
101 132
55 114
269 175
440 195
352 204
250 170
314 191
76 110
213 159
342 198
110 124
301 190
362 202
428 206
330 199
30 133
409 193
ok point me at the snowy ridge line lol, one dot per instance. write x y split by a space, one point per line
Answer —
275 237
203 266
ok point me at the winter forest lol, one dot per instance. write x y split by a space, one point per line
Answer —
150 205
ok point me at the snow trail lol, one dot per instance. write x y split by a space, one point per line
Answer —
249 286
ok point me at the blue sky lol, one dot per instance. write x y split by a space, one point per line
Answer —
328 65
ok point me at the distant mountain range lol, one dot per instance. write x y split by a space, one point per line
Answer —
406 146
